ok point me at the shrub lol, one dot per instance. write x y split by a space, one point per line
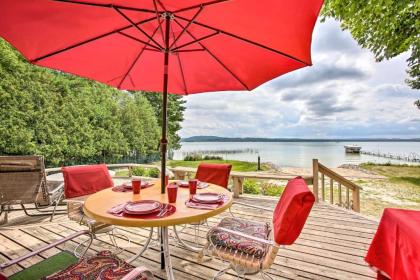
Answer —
153 172
193 157
271 189
139 171
251 187
209 157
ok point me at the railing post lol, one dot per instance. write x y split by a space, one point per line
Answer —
315 178
356 199
340 198
130 171
331 191
237 185
179 175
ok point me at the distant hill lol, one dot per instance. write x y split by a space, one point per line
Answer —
256 139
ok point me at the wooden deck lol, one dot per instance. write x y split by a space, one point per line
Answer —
331 246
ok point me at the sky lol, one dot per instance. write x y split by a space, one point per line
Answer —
345 94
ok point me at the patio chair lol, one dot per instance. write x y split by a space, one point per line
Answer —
212 173
250 247
79 183
104 265
22 181
217 174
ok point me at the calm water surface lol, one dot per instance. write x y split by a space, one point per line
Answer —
299 154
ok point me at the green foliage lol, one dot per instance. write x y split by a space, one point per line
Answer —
251 187
139 171
199 157
193 157
69 119
387 28
237 165
271 189
146 172
210 157
175 115
153 172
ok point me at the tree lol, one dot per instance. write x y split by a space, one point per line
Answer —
176 110
386 27
68 119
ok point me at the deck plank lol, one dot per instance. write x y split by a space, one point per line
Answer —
332 245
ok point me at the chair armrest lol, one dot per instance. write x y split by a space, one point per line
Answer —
249 206
250 237
42 249
136 272
253 206
57 189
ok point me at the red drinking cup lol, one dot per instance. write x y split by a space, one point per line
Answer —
136 184
193 186
172 192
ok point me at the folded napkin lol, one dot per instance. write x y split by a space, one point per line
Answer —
192 204
117 209
202 185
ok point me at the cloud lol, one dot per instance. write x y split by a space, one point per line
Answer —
319 74
345 94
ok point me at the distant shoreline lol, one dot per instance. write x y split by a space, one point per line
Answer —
255 139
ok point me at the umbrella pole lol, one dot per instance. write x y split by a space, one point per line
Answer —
164 140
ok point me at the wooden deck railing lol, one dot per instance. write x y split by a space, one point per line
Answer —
321 173
238 178
336 185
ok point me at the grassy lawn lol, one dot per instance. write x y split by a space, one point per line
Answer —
399 189
236 164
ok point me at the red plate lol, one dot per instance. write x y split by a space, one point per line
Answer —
142 207
208 197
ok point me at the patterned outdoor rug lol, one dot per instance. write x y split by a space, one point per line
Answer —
103 266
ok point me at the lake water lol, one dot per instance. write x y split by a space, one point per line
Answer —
299 154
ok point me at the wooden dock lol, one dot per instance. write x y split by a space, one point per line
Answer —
331 246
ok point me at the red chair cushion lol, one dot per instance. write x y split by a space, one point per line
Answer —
85 180
217 174
2 277
291 211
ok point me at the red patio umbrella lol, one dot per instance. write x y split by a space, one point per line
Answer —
180 47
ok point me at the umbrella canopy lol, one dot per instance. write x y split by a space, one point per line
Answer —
180 47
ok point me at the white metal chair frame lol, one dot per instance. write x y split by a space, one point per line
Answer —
271 247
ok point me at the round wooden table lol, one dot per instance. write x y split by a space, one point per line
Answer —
97 205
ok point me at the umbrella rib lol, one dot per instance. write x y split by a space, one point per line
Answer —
217 59
200 5
246 40
180 64
186 27
109 6
158 20
137 27
195 41
86 41
134 63
140 41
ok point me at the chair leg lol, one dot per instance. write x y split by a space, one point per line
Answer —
265 276
112 236
81 245
220 273
43 213
4 210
